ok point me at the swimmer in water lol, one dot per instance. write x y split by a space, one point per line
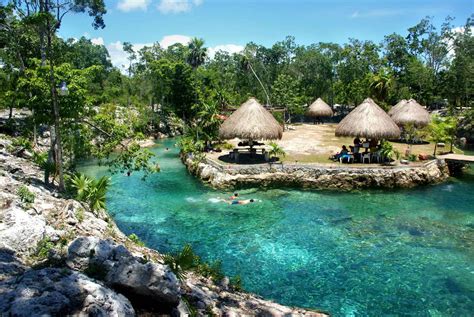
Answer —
234 197
238 202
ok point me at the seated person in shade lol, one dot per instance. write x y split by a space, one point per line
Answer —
344 151
357 142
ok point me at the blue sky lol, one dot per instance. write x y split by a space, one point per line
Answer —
230 24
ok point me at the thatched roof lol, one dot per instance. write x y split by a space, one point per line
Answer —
411 112
368 120
397 106
251 122
319 109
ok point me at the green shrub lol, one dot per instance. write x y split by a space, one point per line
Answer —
136 240
182 261
22 143
187 260
225 146
236 283
276 150
43 247
412 157
91 191
26 196
41 159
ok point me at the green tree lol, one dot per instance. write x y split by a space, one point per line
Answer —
197 52
285 93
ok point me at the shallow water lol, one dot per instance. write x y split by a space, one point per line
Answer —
403 252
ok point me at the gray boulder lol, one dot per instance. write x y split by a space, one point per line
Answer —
133 277
59 292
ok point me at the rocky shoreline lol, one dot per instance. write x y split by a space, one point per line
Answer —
315 176
57 257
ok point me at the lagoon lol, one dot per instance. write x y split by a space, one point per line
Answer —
372 252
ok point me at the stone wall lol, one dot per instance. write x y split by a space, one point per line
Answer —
344 177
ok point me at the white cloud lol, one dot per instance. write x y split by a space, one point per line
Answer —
169 40
131 5
230 48
97 41
119 57
177 6
377 13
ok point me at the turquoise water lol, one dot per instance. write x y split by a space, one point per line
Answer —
404 252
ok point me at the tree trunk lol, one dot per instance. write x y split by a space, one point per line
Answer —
57 146
434 152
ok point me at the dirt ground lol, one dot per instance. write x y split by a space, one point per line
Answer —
315 143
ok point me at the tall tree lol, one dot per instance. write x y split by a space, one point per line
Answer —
48 15
197 52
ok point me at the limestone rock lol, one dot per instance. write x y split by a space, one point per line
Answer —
59 292
123 271
19 231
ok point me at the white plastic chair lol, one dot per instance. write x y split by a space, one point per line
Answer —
365 156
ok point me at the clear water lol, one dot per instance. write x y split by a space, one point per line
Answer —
404 252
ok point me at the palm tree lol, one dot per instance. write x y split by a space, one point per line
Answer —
197 52
381 85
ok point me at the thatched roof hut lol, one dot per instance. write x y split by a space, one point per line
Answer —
319 109
251 122
411 112
368 120
397 106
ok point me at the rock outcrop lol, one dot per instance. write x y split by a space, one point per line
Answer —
317 176
59 292
149 281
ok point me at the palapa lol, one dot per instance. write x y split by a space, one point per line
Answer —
251 122
319 109
411 112
368 120
397 106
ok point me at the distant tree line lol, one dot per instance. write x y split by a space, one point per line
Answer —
105 106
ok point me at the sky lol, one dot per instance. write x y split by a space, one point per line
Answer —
230 24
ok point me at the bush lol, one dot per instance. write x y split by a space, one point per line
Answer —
224 146
412 157
41 159
91 191
26 196
187 260
276 150
22 143
136 240
43 247
236 283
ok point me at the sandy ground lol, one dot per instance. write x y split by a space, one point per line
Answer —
310 143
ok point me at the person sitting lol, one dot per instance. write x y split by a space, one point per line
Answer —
357 142
344 151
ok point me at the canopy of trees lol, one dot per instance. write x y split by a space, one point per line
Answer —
434 65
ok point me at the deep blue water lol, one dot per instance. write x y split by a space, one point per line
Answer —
367 253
